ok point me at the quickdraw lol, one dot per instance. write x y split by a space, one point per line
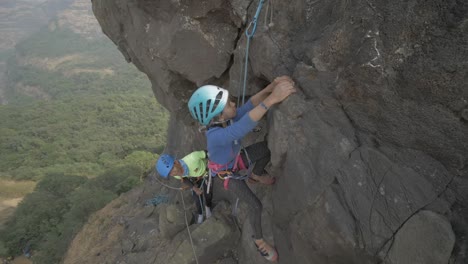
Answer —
249 33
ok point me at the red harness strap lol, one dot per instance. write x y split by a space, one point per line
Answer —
217 169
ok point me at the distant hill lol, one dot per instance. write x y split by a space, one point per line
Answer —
20 18
99 109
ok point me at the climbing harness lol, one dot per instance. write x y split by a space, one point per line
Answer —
225 174
239 171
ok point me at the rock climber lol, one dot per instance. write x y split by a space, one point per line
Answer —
191 170
226 125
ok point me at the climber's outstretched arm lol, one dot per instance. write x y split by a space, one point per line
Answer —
263 94
280 92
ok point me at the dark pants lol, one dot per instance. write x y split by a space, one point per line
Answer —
239 189
259 154
198 199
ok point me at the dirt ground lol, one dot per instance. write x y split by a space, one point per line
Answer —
7 207
19 260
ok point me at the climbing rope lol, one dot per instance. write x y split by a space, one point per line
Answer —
185 214
188 228
271 24
249 32
234 210
165 185
202 201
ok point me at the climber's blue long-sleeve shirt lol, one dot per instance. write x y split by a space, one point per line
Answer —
224 143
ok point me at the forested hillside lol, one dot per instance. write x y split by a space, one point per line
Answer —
75 107
79 136
79 127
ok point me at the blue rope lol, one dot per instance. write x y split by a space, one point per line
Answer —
246 65
158 199
250 32
253 23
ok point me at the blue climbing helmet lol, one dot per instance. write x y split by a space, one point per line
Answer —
207 102
165 164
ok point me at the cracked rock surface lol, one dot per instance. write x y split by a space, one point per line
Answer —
370 155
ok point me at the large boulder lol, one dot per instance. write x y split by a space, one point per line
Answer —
211 239
171 220
426 238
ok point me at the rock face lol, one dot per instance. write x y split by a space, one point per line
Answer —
433 244
375 140
127 231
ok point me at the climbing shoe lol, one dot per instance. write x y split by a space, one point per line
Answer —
267 251
200 219
252 180
207 212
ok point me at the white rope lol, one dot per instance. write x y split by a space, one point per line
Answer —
188 229
266 15
268 7
209 182
271 15
185 214
165 185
